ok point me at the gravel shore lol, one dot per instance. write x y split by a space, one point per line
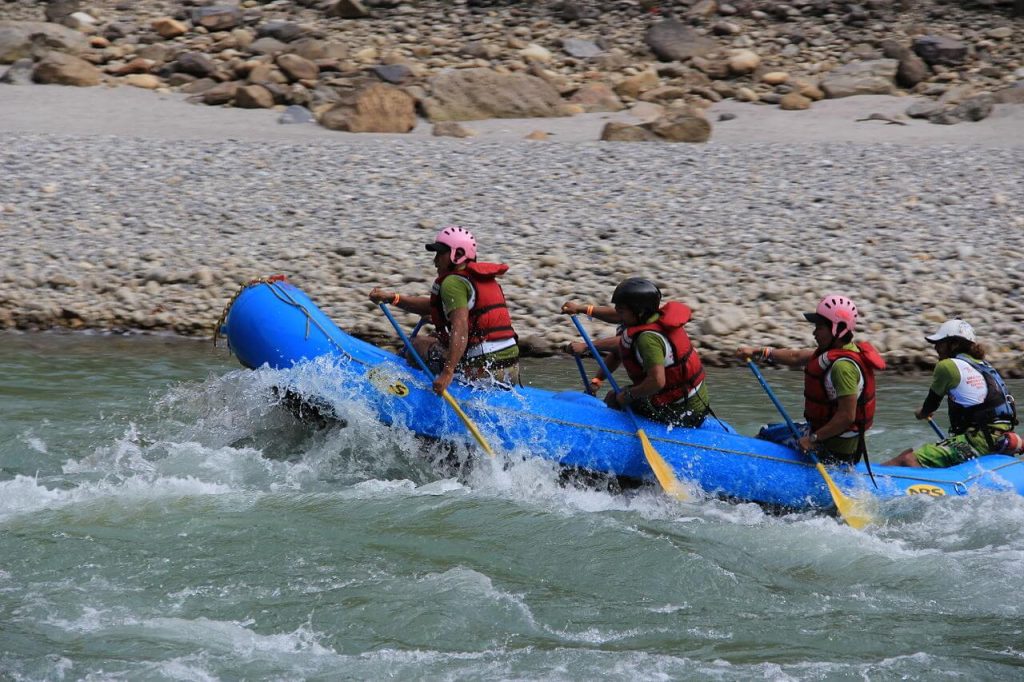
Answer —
150 231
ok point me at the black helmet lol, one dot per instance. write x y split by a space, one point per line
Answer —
642 296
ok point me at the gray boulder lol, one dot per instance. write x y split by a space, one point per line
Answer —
58 68
581 49
474 94
940 50
375 108
674 41
19 73
973 110
20 39
875 77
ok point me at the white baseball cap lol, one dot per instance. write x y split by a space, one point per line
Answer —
953 329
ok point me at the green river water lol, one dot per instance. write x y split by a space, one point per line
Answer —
162 519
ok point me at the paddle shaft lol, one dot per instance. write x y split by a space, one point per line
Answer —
936 429
662 471
849 510
771 395
583 373
597 356
446 395
406 340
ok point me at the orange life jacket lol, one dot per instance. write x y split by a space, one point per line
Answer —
685 372
488 317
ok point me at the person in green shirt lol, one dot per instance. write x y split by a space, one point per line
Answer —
668 380
473 330
982 413
839 381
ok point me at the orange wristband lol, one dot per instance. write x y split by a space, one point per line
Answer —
590 311
396 299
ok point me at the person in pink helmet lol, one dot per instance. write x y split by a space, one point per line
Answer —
982 413
839 381
473 329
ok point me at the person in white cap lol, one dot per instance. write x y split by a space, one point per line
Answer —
981 411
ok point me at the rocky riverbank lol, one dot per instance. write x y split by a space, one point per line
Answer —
374 65
132 233
128 210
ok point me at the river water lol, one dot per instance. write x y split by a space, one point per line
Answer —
162 519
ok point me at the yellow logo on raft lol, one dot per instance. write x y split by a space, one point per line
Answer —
379 378
922 489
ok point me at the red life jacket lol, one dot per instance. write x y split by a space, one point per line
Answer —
819 408
488 318
685 372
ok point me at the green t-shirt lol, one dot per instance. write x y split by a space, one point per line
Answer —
846 379
455 294
946 376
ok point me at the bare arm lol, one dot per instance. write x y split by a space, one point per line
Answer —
603 345
419 305
457 342
846 414
652 383
605 313
791 357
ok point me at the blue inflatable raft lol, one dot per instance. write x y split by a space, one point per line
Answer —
271 322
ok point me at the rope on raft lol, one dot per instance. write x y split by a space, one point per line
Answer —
252 282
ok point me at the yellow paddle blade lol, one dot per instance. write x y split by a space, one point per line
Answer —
852 511
469 424
662 471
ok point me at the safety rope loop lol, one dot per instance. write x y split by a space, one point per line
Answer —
252 282
284 296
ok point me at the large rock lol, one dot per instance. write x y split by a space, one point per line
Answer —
940 50
474 94
674 41
19 73
973 109
614 131
217 18
195 64
912 69
168 27
376 108
683 124
874 77
348 9
581 49
297 68
597 97
633 86
60 11
253 97
1011 95
20 39
58 68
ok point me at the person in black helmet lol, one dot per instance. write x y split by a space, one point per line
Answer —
666 373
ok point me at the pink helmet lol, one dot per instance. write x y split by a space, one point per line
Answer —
837 310
459 241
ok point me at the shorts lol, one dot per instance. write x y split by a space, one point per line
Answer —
780 433
676 414
956 449
503 374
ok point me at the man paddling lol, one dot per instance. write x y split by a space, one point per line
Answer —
473 329
982 413
839 381
667 374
